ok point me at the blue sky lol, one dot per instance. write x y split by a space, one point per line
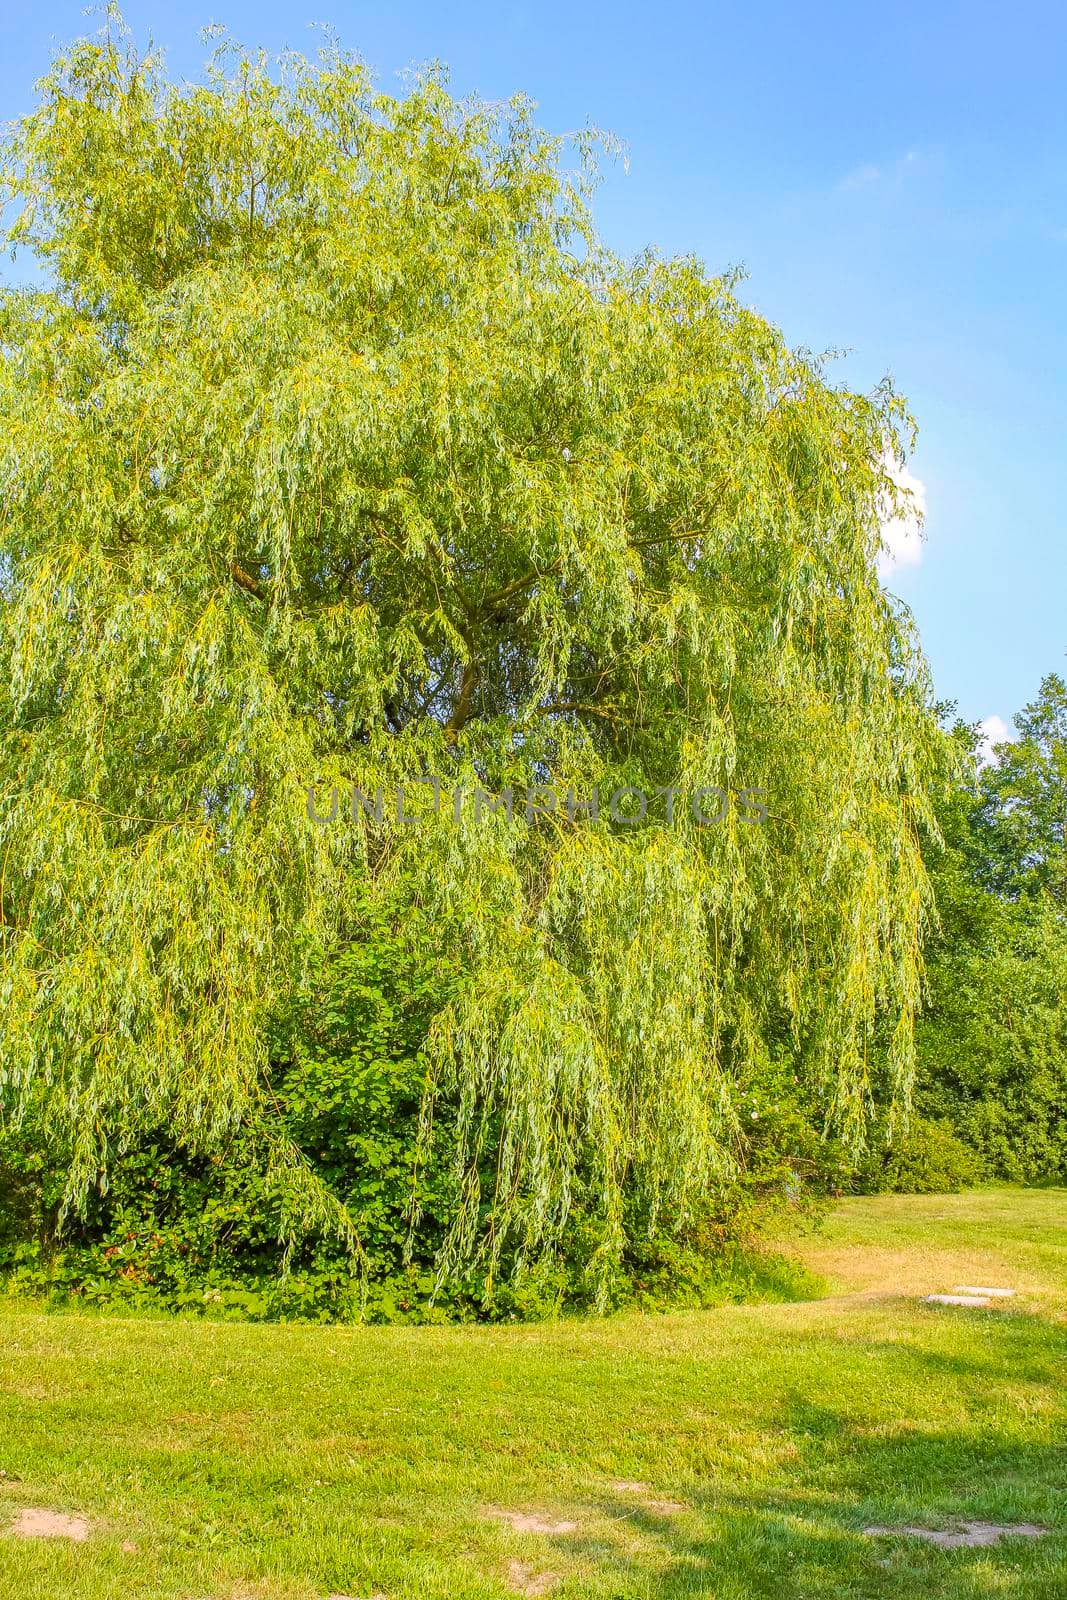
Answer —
894 181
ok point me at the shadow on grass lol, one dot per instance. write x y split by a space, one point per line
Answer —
809 1544
757 1554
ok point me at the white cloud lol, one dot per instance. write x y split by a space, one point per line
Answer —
992 730
902 542
861 177
891 173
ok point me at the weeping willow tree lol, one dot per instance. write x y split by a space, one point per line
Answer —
337 451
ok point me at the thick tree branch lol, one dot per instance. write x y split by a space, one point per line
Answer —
244 580
463 710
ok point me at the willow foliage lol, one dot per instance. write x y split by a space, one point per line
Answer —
337 450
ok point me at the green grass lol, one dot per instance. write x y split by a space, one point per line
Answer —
904 1241
282 1461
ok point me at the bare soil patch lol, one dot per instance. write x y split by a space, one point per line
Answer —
649 1502
531 1521
35 1523
525 1581
966 1536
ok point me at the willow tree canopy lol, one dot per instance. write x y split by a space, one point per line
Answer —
336 449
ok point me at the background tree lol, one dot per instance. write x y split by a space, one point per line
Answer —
1022 819
338 449
991 1090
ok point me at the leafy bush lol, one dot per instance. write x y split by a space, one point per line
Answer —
927 1158
206 1231
200 1233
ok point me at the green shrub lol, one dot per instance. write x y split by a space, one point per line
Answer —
200 1234
927 1158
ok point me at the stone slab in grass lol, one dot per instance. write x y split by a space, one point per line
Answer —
977 1301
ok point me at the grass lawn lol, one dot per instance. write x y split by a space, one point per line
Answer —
733 1453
